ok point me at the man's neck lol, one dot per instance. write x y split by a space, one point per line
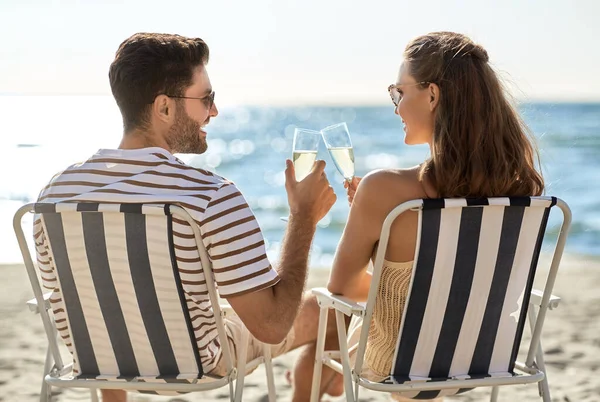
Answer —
137 139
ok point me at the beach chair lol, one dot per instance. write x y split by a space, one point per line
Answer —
465 313
129 324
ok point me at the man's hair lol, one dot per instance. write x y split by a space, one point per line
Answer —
481 147
150 64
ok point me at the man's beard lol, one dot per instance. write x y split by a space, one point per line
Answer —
184 135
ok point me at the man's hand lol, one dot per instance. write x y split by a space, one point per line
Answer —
312 197
351 188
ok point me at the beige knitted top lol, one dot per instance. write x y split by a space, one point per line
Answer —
387 314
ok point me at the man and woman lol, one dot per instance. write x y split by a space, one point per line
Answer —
446 95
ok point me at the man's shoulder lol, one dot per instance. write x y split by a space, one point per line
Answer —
137 173
199 172
157 166
196 175
56 178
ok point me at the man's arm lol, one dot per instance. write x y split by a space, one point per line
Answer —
269 313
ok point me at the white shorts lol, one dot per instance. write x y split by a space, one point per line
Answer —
234 329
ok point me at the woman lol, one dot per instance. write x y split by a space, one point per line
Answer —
448 96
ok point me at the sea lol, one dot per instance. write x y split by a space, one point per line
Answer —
41 135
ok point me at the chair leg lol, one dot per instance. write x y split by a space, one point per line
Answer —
241 366
231 391
344 355
495 392
320 349
543 386
269 371
46 391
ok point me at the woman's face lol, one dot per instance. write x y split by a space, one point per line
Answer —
416 107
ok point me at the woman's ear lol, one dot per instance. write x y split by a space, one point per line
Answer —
434 96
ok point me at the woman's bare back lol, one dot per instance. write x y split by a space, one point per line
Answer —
404 185
377 194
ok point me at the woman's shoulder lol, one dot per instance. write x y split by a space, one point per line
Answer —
397 185
399 179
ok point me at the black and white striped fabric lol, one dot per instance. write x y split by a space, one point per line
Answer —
124 301
467 304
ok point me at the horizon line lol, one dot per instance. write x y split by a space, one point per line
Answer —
320 103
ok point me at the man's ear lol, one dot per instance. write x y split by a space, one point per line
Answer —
434 96
163 108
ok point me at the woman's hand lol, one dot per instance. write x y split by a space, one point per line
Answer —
351 188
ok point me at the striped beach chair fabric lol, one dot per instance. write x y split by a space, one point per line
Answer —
468 300
125 305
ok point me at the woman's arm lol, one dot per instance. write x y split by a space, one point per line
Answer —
377 194
349 275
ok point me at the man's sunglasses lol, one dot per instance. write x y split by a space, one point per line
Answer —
208 100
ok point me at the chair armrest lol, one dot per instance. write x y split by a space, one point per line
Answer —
347 306
227 310
33 306
536 299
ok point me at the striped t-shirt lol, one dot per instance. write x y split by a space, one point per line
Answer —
228 227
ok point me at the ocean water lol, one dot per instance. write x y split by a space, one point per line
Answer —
42 135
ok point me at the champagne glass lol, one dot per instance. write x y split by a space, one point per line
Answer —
306 144
304 154
339 145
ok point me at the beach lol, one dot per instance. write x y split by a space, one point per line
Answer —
570 339
249 145
470 102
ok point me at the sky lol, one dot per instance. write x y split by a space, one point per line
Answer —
301 52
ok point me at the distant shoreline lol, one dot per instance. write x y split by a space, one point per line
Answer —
278 103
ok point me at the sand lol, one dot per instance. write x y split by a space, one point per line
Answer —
571 340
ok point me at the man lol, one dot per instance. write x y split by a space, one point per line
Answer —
165 96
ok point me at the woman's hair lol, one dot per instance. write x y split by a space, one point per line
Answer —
481 147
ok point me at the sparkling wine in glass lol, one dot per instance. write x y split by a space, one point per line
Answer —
306 144
339 145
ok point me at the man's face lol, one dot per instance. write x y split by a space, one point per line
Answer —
186 134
